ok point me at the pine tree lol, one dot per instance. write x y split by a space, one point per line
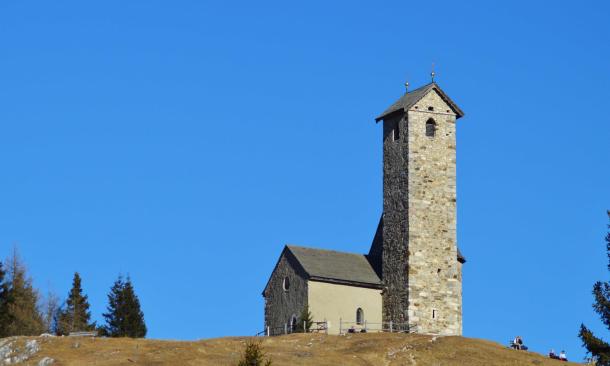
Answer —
114 315
124 317
75 315
305 319
599 349
136 328
254 356
22 313
3 302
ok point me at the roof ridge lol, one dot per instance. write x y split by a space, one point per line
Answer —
432 84
409 99
322 250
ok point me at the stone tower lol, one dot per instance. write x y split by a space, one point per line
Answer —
415 247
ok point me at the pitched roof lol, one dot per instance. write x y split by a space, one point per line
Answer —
338 267
335 267
409 99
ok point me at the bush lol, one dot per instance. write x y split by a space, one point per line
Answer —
254 355
305 319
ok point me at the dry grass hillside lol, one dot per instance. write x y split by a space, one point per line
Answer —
296 349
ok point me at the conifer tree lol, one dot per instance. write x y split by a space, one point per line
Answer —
114 315
124 317
23 317
599 349
305 319
254 355
75 315
3 302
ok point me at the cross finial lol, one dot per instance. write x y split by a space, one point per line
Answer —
432 74
406 86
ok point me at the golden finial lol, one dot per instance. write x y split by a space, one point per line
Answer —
406 86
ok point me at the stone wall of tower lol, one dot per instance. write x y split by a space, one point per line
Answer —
434 274
394 256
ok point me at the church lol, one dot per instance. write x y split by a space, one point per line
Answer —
411 278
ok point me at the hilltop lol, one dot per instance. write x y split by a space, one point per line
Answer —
296 349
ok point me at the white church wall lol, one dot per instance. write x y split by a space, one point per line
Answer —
332 302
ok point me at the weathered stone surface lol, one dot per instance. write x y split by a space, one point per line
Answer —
395 215
46 361
13 350
421 275
282 305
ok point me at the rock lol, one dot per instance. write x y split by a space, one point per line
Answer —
46 361
10 353
6 348
31 346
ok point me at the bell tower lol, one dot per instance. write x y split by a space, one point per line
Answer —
415 247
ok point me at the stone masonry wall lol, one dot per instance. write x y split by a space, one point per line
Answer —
281 305
394 257
434 278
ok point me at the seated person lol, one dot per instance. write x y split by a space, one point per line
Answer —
562 356
515 343
521 345
553 355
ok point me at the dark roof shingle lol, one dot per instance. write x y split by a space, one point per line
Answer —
335 266
409 99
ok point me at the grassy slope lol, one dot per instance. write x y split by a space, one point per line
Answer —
297 349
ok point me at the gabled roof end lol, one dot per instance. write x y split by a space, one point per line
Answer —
409 99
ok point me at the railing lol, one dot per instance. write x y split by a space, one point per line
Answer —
366 327
316 327
344 328
319 327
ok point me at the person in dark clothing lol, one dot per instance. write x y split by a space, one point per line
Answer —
518 344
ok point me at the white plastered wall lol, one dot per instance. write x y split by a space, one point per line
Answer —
332 302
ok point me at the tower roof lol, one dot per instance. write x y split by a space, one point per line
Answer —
409 99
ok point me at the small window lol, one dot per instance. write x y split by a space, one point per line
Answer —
286 284
430 128
431 108
397 131
434 314
293 323
359 316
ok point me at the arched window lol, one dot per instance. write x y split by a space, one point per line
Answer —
430 128
359 316
286 284
293 323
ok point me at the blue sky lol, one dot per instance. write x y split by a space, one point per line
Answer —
185 142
